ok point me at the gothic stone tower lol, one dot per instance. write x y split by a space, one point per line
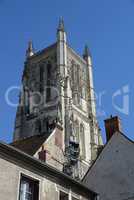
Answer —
57 88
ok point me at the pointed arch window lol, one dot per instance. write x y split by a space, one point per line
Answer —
49 73
76 130
41 78
82 141
72 73
48 89
76 83
27 101
38 126
78 76
84 84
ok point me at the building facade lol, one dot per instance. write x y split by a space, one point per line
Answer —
57 89
23 177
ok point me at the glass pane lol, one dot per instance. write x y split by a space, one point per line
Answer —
63 196
26 190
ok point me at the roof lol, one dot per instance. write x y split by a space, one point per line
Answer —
31 144
103 148
16 156
115 166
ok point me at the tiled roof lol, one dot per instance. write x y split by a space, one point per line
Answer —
31 144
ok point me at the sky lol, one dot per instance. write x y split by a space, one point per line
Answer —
106 26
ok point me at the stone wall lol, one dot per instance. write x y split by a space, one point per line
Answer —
54 151
10 174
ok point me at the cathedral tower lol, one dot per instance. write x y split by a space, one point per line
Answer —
57 89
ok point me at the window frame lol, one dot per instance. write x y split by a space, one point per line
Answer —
31 179
64 192
70 194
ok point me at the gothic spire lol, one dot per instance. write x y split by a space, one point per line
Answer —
61 25
29 51
61 34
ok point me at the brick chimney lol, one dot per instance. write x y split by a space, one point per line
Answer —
112 125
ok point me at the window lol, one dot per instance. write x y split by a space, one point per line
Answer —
76 130
96 197
73 198
72 73
63 196
82 141
29 189
27 101
78 76
41 78
48 89
38 126
48 93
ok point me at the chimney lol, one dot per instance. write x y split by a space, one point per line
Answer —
112 125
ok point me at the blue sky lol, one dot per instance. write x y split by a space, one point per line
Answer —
106 26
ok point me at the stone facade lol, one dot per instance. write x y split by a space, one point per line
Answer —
33 112
14 164
57 88
54 152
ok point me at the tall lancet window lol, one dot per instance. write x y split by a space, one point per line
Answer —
41 78
76 81
38 126
27 101
78 76
82 141
48 89
83 80
72 74
76 130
